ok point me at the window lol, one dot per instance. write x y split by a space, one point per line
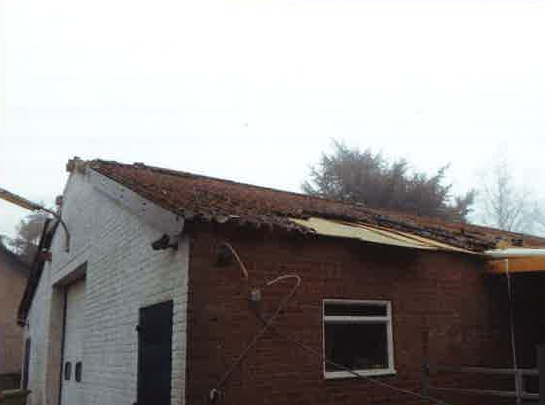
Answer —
78 372
358 335
67 370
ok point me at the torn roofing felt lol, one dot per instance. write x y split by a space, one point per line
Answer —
201 198
372 234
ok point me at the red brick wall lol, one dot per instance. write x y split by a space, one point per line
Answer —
439 295
12 285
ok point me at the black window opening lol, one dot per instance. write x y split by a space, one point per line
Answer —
354 309
357 336
77 372
67 370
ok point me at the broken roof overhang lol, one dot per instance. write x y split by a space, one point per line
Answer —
515 260
366 233
510 253
200 198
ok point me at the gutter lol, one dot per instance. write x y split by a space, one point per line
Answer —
519 260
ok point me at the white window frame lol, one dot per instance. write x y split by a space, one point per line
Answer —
390 370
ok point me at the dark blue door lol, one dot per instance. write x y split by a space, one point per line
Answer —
155 354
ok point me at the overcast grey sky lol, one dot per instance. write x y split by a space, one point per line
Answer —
255 90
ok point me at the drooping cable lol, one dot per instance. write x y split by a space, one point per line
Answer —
215 393
216 390
330 362
237 258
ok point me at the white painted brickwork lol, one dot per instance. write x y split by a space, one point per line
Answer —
36 329
123 274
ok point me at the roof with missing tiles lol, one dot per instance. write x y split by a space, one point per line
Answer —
201 198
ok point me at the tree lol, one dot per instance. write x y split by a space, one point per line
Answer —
504 204
28 235
4 241
366 177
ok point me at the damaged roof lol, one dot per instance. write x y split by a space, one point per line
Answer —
197 198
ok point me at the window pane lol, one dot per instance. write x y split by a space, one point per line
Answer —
67 370
78 371
349 309
356 346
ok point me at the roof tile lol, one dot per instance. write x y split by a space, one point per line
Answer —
199 197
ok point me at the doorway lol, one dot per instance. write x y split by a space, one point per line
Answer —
154 354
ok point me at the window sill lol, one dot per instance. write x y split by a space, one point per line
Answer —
331 375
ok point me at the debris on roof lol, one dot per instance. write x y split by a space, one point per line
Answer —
202 198
368 233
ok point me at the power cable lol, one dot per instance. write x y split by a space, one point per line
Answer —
215 393
330 362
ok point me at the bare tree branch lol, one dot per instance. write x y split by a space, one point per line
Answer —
504 204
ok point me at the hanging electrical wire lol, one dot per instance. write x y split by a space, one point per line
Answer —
237 258
330 362
215 393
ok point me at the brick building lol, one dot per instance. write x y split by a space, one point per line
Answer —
172 288
13 277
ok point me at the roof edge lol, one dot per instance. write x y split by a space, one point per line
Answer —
477 238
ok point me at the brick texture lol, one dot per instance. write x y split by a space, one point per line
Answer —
123 274
12 283
36 329
206 198
444 307
439 298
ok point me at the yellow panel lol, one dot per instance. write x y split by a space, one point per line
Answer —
361 232
411 238
387 234
431 242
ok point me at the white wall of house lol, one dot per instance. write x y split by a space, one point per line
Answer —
37 328
110 237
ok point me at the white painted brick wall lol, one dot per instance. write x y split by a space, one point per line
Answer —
36 329
123 274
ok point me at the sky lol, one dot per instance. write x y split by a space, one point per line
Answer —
256 90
